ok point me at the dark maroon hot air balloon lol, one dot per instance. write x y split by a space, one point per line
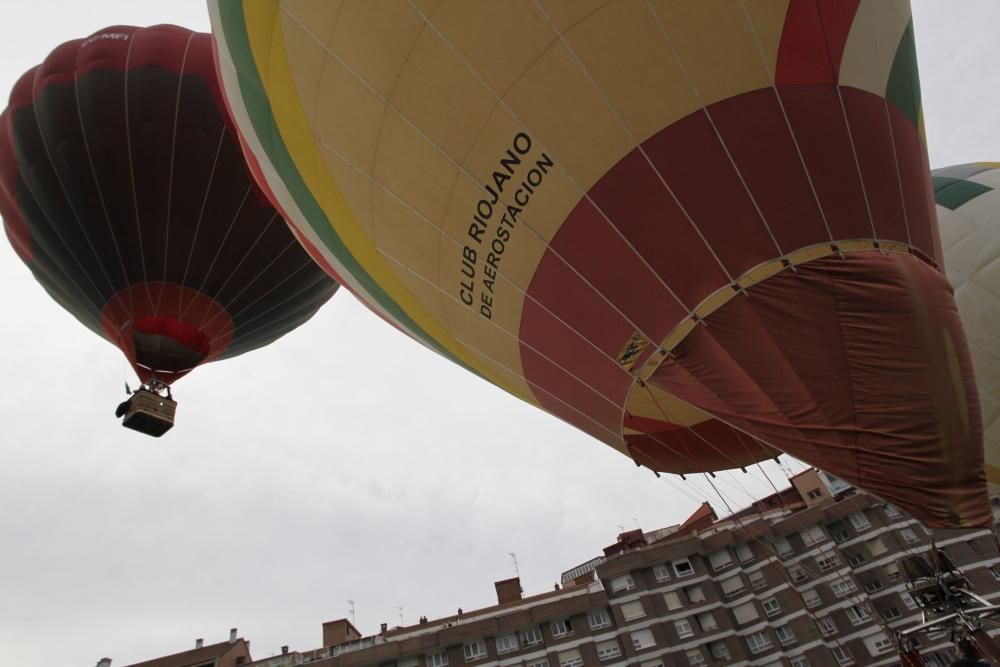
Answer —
124 190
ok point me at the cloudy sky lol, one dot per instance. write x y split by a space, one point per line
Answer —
342 463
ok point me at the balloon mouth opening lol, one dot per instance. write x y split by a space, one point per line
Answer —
166 329
182 333
168 347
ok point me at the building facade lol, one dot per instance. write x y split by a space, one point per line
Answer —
804 578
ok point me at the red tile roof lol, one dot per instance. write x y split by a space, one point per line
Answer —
206 655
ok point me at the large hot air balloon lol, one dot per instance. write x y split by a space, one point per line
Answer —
702 232
124 189
968 209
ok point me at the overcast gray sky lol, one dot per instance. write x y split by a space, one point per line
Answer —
288 486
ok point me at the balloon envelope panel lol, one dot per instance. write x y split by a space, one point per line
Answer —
701 232
968 207
124 189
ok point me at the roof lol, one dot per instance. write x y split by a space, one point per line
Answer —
193 658
469 615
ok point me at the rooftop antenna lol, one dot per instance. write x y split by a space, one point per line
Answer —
513 557
351 609
400 615
621 528
636 522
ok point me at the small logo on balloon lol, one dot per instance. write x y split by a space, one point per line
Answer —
633 348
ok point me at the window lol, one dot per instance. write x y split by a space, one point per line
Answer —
995 571
782 547
856 559
622 583
561 628
876 547
633 610
826 625
531 636
744 553
757 580
695 657
661 573
719 650
908 536
811 598
695 594
544 662
720 559
892 512
608 650
642 639
438 659
598 618
842 655
842 587
771 606
673 600
683 628
827 563
785 634
682 568
878 644
835 484
892 571
571 658
475 650
890 613
814 494
798 574
908 600
840 532
507 644
707 621
860 521
857 615
656 662
732 586
746 612
873 585
800 661
812 535
758 641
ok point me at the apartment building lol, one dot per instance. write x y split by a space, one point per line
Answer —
805 577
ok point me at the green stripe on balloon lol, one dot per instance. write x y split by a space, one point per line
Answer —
266 131
952 192
903 88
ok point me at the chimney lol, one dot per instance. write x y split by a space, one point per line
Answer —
284 650
232 635
104 662
508 590
338 632
384 628
198 643
423 620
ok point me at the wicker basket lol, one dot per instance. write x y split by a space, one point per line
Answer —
150 413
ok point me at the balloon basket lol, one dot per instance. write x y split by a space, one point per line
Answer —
150 413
